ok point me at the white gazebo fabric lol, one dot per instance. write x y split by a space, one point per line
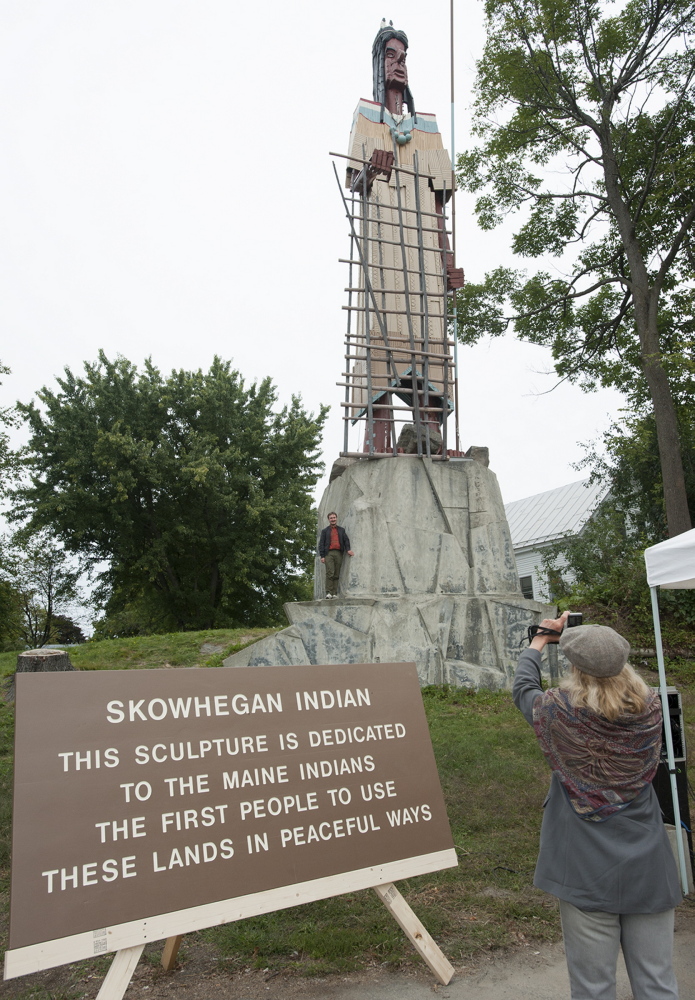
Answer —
671 564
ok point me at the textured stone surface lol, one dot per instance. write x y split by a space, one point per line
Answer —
481 455
433 578
471 642
340 465
419 526
408 439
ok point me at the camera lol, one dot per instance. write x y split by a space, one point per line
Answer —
574 618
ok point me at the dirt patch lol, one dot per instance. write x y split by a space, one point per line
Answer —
495 893
201 975
533 971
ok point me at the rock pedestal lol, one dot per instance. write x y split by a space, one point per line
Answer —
433 578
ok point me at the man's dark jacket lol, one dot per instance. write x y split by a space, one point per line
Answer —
325 540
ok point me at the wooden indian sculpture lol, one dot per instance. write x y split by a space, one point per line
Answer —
399 179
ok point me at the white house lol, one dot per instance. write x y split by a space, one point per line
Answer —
538 521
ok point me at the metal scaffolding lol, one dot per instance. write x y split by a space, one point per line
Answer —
399 366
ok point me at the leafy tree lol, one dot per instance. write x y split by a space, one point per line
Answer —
130 613
602 569
600 566
8 458
191 486
629 463
586 114
602 573
42 583
10 614
67 631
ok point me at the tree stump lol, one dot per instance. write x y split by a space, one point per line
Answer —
38 661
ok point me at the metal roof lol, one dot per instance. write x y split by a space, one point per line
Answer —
548 516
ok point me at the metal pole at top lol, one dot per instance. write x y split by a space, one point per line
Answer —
453 224
453 122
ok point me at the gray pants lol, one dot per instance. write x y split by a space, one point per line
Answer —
592 939
334 560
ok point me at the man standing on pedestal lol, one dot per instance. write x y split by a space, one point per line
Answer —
332 543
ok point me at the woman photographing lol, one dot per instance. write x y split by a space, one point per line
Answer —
604 851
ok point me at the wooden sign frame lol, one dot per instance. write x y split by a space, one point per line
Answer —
34 947
126 959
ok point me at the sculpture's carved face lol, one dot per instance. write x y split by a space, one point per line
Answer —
395 72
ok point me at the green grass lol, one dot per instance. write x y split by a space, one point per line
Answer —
494 780
175 649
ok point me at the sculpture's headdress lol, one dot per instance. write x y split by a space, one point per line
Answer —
385 34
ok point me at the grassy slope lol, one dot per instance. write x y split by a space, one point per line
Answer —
494 780
176 649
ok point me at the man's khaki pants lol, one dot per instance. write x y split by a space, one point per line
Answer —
334 560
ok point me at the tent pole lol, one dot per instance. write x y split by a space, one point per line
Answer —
669 741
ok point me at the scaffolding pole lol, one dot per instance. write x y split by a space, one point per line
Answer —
398 363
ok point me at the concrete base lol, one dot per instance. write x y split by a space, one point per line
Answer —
418 526
433 578
467 642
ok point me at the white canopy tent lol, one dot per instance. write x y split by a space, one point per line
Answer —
671 565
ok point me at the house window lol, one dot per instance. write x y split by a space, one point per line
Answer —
526 584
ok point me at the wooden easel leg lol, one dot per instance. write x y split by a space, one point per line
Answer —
119 975
416 933
171 950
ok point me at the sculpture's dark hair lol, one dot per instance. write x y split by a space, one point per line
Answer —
385 35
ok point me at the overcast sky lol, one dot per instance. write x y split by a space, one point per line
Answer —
166 191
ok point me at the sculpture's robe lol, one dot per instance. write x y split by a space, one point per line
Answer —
387 261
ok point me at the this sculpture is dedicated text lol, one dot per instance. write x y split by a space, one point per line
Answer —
151 792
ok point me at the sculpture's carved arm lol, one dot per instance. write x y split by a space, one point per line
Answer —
381 162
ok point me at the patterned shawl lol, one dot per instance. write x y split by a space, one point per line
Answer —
602 765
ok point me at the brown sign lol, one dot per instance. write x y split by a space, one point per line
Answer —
145 792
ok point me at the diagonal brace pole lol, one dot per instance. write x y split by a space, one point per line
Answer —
416 932
120 973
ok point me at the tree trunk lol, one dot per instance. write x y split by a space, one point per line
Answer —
667 433
645 298
38 661
214 590
670 455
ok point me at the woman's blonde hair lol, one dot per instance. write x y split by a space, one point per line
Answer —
625 693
